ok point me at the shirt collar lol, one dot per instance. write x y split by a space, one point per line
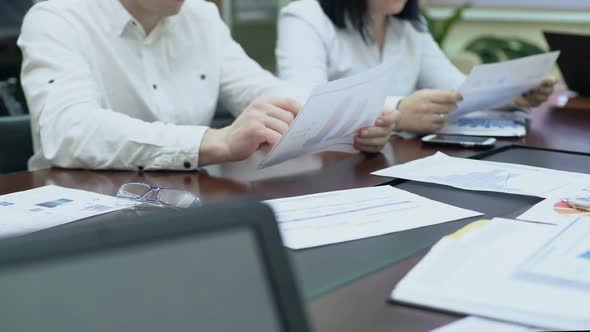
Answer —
367 31
167 23
120 18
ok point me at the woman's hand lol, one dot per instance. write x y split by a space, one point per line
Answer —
538 95
426 111
373 139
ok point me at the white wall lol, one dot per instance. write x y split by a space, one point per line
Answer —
528 24
538 4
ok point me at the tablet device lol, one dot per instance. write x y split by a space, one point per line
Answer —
219 268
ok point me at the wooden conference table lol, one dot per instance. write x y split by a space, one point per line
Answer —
359 305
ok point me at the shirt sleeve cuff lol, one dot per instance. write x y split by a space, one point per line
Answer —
391 102
183 153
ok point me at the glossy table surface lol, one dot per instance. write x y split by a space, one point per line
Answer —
360 305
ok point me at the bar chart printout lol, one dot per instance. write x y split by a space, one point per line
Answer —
565 258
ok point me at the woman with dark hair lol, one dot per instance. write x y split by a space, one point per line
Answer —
324 40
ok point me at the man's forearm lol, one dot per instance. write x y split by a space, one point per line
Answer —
213 149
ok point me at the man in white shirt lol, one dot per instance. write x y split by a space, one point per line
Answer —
133 84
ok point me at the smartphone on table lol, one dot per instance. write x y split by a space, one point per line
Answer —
460 140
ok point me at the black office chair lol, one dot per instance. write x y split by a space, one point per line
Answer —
12 98
16 144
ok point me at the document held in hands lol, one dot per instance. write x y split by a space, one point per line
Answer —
333 114
339 216
494 85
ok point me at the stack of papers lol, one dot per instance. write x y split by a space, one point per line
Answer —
528 273
339 216
36 209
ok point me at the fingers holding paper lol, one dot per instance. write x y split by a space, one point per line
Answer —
259 127
283 109
427 111
538 95
374 138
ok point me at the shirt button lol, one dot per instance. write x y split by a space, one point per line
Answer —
187 165
155 87
203 76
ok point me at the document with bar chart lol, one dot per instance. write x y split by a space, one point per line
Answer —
565 258
471 174
36 209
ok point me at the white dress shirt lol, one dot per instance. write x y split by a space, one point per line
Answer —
103 95
311 50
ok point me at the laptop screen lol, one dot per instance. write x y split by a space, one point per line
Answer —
206 282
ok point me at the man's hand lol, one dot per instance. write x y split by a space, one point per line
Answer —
261 126
538 95
373 139
426 111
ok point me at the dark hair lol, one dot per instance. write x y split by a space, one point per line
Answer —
356 11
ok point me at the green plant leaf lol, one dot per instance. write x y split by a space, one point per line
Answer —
439 29
492 49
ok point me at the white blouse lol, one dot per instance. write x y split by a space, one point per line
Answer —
311 50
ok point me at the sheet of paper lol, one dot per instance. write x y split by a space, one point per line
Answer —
494 85
484 175
554 210
565 258
475 273
477 324
493 123
333 114
339 216
36 209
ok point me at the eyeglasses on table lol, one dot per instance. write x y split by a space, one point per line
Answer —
144 192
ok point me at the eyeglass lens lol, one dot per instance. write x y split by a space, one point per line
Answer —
177 198
133 190
173 197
